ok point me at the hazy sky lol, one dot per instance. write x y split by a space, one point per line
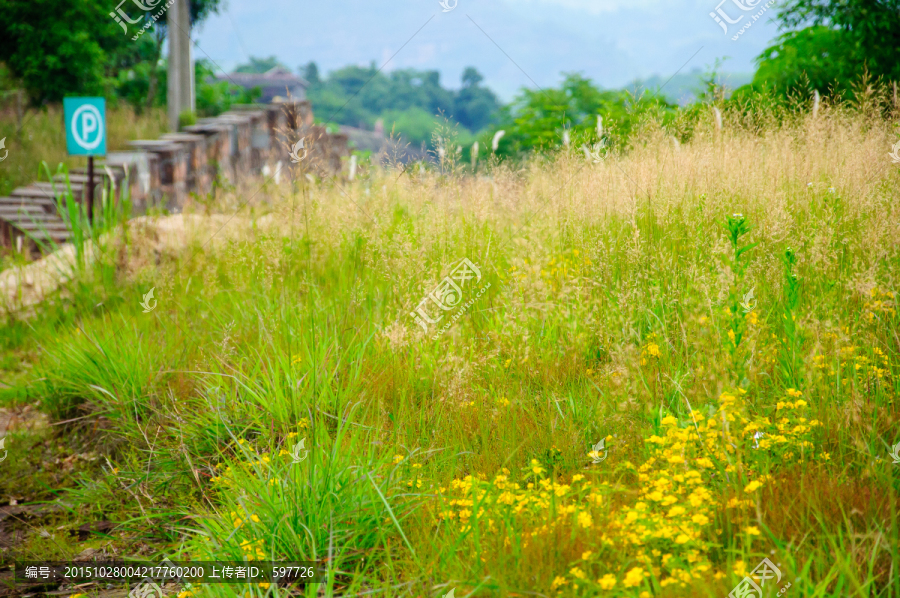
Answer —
513 43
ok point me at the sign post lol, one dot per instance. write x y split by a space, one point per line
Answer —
86 136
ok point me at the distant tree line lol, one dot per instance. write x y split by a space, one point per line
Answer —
54 48
409 101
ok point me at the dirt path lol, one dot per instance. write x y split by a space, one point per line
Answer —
23 287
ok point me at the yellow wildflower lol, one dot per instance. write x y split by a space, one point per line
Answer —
585 520
752 486
634 577
607 582
675 511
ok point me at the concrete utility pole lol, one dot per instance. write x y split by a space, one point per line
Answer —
181 97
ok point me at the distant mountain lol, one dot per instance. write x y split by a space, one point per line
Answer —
684 88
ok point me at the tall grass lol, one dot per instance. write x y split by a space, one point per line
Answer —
42 138
614 311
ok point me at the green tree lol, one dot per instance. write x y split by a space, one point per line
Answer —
475 107
411 102
310 72
215 97
66 47
537 119
816 58
871 28
59 47
259 65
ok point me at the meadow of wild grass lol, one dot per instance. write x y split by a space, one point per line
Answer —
721 312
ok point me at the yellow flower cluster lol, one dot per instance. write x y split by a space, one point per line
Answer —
533 509
254 551
880 305
786 432
667 528
694 473
238 519
862 367
650 351
752 318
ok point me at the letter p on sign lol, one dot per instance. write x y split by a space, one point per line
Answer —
85 126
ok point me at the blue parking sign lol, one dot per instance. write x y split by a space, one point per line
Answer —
85 126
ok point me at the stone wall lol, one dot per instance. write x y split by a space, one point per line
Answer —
230 147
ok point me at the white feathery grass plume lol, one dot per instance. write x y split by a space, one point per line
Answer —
599 126
352 167
565 137
816 98
495 143
474 154
718 115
